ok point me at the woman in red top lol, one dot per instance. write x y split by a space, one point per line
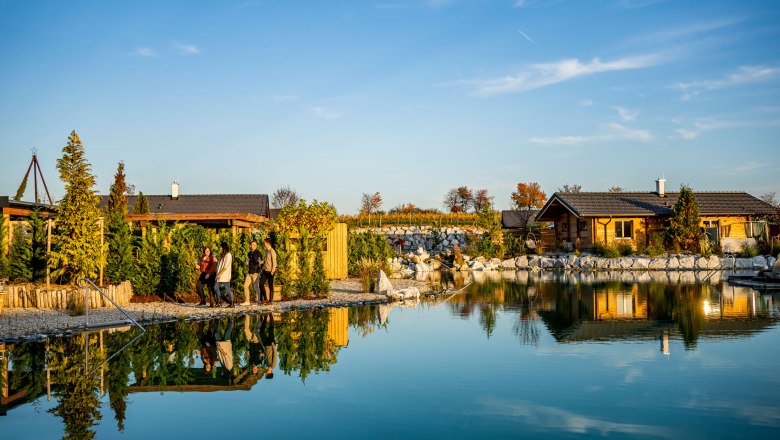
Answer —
208 270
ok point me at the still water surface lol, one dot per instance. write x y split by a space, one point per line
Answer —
499 359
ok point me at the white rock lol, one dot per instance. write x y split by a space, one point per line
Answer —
546 263
641 263
476 265
508 264
673 263
760 263
383 285
744 263
713 262
701 263
687 262
658 263
422 268
481 259
626 262
521 262
572 261
403 294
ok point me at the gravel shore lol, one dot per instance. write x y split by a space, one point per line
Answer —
33 324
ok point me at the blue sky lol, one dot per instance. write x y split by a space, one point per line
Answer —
405 97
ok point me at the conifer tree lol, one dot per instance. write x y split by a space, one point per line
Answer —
684 227
38 259
21 256
120 264
320 286
141 205
3 251
77 251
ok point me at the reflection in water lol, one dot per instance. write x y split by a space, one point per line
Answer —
611 310
238 353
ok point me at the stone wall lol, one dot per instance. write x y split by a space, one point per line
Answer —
431 239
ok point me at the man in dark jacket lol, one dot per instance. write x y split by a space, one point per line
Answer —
253 259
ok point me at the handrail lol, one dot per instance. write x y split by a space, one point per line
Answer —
86 282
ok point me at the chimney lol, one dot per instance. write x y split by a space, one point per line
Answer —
659 187
175 190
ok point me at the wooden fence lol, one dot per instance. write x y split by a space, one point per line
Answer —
30 296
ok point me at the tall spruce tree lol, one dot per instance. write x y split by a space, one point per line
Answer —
120 265
141 205
3 249
21 256
77 250
684 226
39 258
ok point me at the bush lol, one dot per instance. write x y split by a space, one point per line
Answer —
366 245
625 249
368 273
656 247
748 251
607 250
514 245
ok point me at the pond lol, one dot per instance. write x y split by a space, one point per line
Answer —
502 357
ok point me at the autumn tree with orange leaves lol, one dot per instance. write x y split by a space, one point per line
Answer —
527 197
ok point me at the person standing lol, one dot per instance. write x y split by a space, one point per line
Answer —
268 339
269 270
253 263
225 347
207 278
224 274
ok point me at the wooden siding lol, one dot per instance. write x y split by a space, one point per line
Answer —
338 326
336 258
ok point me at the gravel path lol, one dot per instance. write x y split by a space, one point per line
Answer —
33 324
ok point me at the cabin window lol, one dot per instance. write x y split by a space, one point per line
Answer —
624 228
710 224
583 225
564 227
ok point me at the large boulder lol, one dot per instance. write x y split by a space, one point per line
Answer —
701 263
534 261
495 262
508 264
587 262
760 263
658 263
602 263
673 263
572 261
521 262
626 262
546 263
744 263
481 259
383 285
641 263
713 262
687 262
422 268
476 265
404 294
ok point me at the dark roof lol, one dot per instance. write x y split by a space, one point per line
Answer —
202 204
643 204
513 219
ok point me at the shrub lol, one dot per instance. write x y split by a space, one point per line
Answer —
748 251
368 273
656 247
303 254
514 246
366 245
625 249
320 286
606 250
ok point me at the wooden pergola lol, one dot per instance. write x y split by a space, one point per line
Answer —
235 221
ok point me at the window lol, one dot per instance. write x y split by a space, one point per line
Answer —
565 227
624 228
583 225
710 224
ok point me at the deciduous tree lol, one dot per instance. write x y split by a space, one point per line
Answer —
570 188
459 199
527 197
284 196
482 200
615 189
370 203
77 246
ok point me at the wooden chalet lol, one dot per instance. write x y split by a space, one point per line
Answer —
17 211
239 212
730 218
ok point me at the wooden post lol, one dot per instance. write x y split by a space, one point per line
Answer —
48 251
102 258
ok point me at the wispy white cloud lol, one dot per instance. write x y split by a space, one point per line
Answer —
186 49
143 52
697 126
556 419
694 28
626 114
325 113
610 132
585 102
541 75
750 166
744 75
684 134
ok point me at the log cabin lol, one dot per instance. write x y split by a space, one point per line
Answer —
584 218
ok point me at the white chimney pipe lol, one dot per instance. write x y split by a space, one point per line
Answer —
175 190
659 187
